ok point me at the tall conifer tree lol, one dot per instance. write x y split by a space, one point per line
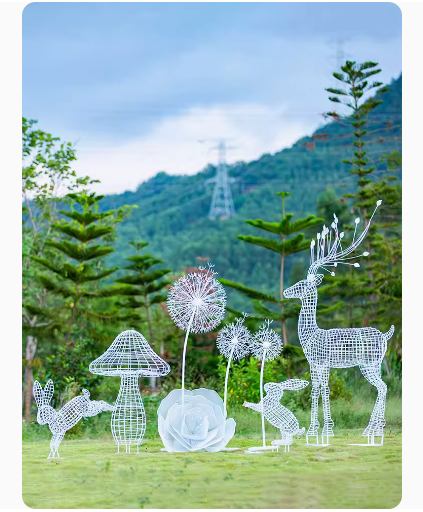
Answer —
289 240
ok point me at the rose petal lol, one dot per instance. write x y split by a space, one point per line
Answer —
211 395
195 424
229 430
211 438
169 400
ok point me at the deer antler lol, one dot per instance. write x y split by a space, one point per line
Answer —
333 257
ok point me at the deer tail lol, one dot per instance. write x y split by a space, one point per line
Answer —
389 334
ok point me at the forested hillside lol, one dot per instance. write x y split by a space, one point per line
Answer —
172 213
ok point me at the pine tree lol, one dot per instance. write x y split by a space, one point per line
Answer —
75 272
289 241
356 76
144 287
46 173
383 239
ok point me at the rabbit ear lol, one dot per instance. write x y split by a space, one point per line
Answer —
294 384
38 393
48 391
86 393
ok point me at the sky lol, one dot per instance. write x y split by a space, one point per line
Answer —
147 87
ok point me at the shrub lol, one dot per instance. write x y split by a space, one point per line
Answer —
244 378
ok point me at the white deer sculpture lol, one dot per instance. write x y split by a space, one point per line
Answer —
338 348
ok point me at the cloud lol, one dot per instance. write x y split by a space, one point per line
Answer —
174 145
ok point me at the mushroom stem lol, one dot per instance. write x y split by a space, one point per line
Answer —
225 399
184 354
128 418
261 397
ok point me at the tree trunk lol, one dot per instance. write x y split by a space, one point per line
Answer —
31 347
153 380
284 334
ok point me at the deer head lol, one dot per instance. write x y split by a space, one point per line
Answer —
329 254
303 287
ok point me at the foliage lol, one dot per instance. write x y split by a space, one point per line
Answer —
337 385
76 269
378 292
244 378
46 176
288 241
145 286
68 367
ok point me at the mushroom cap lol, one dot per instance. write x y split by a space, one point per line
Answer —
130 353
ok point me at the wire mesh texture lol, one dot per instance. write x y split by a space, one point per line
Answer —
278 415
233 342
130 357
130 353
196 302
68 416
338 348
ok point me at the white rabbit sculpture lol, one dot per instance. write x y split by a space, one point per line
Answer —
69 415
278 415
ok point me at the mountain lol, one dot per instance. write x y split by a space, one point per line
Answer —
172 213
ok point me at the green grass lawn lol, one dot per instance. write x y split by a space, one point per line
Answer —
92 475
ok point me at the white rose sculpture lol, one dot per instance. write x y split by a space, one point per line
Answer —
195 420
198 424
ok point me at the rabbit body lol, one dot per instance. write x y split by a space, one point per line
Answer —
277 414
68 416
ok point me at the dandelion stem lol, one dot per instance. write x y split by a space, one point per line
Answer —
184 354
226 381
261 396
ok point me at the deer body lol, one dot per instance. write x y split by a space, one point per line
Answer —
337 348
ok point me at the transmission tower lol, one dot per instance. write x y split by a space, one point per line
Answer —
222 205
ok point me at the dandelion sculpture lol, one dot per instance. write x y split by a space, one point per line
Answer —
129 357
233 342
338 348
196 303
278 415
195 420
68 416
266 345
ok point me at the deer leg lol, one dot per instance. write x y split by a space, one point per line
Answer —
377 419
315 393
328 422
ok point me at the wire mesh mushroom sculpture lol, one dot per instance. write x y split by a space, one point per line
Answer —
129 357
266 345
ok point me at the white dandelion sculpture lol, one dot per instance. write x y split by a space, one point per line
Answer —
338 348
195 420
266 345
196 303
233 342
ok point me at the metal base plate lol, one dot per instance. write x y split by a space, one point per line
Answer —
260 449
